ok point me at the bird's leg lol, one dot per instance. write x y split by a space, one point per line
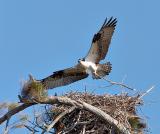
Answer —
95 75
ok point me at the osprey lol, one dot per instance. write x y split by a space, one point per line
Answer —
90 63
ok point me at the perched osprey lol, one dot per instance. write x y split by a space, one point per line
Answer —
90 63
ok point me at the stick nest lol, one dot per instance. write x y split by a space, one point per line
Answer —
120 107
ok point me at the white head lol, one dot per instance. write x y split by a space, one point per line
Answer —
81 60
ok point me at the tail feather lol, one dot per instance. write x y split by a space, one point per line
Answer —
107 67
103 70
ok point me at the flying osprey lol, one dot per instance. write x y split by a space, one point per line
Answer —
89 64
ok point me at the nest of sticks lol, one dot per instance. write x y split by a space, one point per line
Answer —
121 107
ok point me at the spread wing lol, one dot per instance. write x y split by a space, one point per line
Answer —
64 77
101 41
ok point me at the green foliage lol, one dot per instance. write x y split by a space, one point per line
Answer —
38 90
33 90
136 123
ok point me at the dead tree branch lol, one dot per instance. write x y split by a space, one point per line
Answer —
119 84
150 89
59 117
67 101
14 111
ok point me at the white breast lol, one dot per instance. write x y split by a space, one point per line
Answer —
89 65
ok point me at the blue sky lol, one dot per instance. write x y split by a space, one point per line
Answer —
40 37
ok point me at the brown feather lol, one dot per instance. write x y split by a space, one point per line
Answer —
101 41
64 77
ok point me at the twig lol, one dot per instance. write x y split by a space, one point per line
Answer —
37 125
14 111
75 124
6 127
104 116
46 111
141 96
118 83
31 129
84 129
123 79
59 117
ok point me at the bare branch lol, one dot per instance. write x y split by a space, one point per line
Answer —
67 101
105 117
49 100
31 129
84 129
142 95
6 127
74 125
119 84
37 125
60 117
14 111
